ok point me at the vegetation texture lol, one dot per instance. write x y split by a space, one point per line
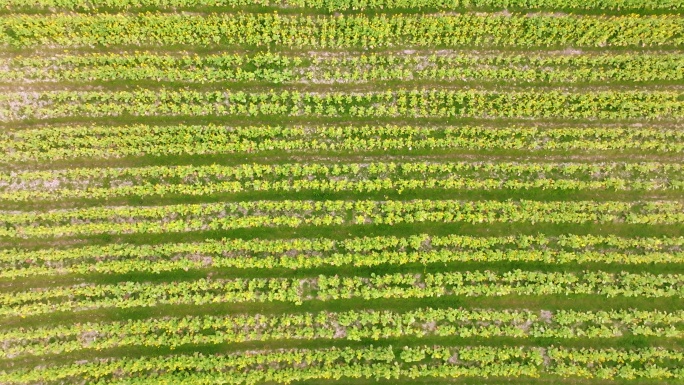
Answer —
341 192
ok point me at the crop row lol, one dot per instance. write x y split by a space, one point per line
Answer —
325 288
401 103
216 172
286 366
356 186
365 251
288 213
73 142
94 183
276 68
424 242
359 30
345 5
355 325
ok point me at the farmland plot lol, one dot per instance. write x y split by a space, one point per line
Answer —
337 191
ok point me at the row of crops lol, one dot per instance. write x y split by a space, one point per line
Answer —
274 68
350 325
326 288
341 191
97 183
377 363
343 5
295 213
358 30
96 142
389 104
304 253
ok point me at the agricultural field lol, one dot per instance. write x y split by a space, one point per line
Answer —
342 192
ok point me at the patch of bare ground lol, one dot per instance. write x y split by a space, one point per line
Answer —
547 14
454 359
88 337
504 12
430 326
545 356
571 51
340 331
525 327
306 287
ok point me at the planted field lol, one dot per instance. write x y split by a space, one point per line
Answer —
336 191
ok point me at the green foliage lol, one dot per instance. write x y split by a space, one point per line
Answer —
83 142
292 214
297 135
326 288
311 253
285 366
357 30
343 68
103 183
344 5
402 103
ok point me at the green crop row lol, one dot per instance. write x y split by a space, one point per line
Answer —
352 325
344 5
425 362
288 213
400 103
271 29
309 253
73 142
124 295
277 68
98 183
